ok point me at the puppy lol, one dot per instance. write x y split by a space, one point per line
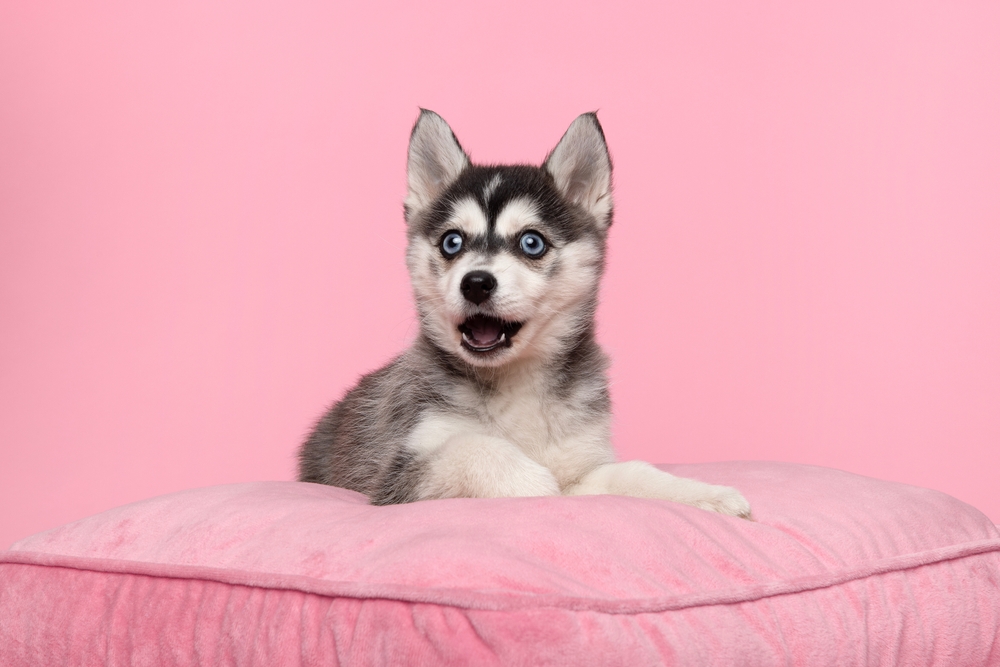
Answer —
505 390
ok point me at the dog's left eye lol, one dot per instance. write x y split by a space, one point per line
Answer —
532 244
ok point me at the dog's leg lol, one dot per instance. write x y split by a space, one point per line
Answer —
641 480
470 465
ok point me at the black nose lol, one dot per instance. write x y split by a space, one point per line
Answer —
477 285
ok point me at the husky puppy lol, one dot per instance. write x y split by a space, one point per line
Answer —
504 392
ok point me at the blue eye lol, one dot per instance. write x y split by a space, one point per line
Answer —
532 244
451 244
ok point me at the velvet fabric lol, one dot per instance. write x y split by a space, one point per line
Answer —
836 569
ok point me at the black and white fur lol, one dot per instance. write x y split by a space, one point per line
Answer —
504 392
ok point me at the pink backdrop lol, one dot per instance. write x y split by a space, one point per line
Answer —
201 240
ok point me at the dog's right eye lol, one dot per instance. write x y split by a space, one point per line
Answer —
451 244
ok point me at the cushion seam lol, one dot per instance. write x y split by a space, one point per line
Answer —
497 601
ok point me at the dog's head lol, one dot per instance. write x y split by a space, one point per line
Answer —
506 260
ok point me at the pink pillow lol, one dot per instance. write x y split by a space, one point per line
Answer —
837 570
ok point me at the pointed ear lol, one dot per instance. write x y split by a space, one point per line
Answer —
581 167
434 161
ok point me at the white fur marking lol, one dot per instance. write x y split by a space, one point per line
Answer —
434 430
491 187
518 215
469 218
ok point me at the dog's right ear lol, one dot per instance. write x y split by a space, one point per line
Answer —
434 161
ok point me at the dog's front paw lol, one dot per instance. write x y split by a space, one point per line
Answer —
641 480
724 500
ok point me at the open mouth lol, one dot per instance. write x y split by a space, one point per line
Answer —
482 333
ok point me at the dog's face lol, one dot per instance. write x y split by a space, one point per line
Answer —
505 260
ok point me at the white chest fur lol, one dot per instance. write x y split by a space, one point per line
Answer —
556 431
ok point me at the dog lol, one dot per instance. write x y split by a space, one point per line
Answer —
504 392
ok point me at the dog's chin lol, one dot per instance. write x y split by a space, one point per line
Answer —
486 340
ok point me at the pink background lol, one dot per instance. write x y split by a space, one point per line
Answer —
201 239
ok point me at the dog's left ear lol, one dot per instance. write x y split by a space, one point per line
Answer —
434 161
581 167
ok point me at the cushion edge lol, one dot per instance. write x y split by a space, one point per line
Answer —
491 600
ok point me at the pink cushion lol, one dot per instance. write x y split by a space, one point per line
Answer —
837 570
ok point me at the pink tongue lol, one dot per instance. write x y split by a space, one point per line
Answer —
484 331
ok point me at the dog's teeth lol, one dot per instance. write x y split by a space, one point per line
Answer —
502 338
